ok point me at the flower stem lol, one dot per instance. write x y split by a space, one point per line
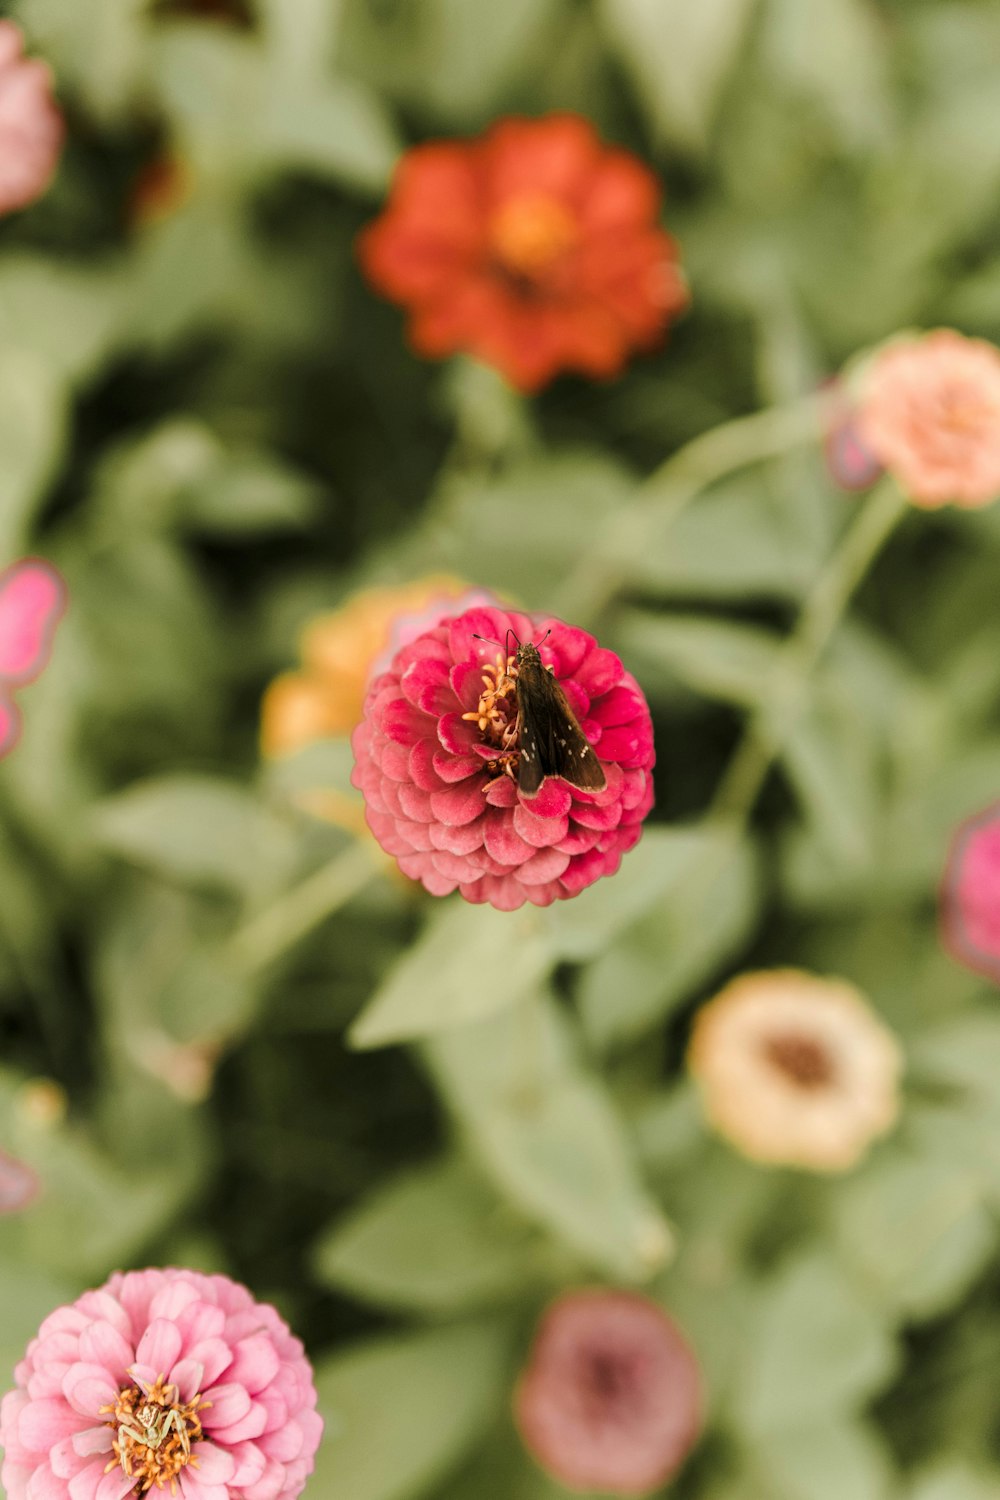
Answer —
667 492
823 610
297 912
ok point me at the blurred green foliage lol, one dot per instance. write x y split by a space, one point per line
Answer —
215 429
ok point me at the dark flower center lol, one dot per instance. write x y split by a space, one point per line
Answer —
802 1059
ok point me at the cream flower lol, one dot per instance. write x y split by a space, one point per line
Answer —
795 1069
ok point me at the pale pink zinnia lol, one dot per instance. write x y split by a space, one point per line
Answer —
167 1379
970 898
32 600
929 411
611 1396
437 755
31 127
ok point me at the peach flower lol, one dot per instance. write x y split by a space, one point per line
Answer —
929 411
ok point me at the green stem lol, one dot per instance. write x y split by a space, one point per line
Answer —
667 492
297 912
822 612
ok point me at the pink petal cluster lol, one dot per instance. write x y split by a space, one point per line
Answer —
611 1396
32 600
434 798
929 412
970 898
206 1335
31 127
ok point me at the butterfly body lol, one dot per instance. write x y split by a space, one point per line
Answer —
551 742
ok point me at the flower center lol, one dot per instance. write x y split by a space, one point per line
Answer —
802 1059
496 716
529 233
154 1433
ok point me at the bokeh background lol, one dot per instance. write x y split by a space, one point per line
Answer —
216 430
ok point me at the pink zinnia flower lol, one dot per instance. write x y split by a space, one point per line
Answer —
161 1378
611 1396
31 127
437 754
929 411
970 898
32 599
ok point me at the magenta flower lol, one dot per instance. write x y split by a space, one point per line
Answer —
611 1396
437 755
970 897
19 1185
32 599
31 127
161 1378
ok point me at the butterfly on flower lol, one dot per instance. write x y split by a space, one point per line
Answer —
32 600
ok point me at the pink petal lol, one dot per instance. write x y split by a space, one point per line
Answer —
171 1300
214 1465
256 1363
44 1485
451 768
83 1486
93 1440
228 1404
100 1344
250 1464
285 1443
114 1485
552 800
160 1346
32 598
458 804
215 1355
188 1375
501 792
64 1459
502 843
89 1387
250 1426
269 1486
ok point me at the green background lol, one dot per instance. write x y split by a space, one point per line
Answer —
215 429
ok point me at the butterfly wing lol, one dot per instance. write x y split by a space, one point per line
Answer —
32 598
551 740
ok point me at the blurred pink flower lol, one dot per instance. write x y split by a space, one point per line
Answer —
161 1378
611 1396
970 898
929 411
19 1186
437 754
32 599
31 127
850 463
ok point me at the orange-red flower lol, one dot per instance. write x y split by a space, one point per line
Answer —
535 248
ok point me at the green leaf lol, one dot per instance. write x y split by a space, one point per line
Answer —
817 1348
401 1411
33 431
548 1134
722 659
824 1461
833 56
707 898
915 1231
196 830
469 962
679 56
27 1296
436 1240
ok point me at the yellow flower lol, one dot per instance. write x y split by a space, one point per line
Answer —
795 1069
339 651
